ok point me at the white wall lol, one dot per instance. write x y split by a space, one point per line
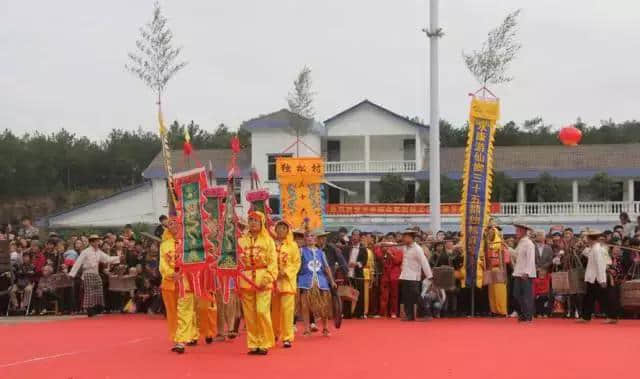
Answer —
351 148
368 120
160 200
387 148
127 207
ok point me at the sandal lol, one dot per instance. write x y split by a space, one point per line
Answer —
178 348
326 333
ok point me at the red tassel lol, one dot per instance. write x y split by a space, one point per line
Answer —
235 144
187 148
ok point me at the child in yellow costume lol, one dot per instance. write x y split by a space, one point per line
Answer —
495 259
181 317
256 283
284 293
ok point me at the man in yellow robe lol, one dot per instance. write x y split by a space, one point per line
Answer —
368 272
284 293
181 318
495 259
260 270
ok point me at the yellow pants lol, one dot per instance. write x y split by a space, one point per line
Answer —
498 298
207 317
367 291
170 299
227 313
256 309
187 326
283 308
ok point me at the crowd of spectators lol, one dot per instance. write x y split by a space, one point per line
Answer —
36 282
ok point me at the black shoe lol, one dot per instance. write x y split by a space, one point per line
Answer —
254 352
208 340
262 352
286 344
192 343
408 319
178 349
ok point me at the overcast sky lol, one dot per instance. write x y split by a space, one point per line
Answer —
61 62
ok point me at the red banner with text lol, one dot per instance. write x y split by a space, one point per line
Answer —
396 209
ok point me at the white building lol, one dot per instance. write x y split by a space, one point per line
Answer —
359 145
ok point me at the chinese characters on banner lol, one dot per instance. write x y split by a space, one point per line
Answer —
300 182
477 181
400 209
194 246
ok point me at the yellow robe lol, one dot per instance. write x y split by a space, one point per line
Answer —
207 312
497 291
284 295
261 267
369 274
181 317
168 286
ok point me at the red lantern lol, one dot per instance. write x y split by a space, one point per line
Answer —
570 135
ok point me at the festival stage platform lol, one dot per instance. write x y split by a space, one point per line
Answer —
125 346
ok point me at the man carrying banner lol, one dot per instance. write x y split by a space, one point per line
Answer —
260 270
284 293
181 317
495 259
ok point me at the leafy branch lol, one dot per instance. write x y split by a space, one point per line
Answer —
489 64
155 59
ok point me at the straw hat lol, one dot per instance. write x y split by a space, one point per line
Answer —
523 226
93 237
592 232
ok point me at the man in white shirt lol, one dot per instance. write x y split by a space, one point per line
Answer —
596 278
89 261
414 263
524 272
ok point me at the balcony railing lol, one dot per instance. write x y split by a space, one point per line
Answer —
587 208
344 167
355 167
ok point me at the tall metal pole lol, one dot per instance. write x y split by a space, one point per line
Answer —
434 33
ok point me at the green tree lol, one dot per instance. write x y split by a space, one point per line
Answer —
551 189
603 188
450 190
392 189
504 187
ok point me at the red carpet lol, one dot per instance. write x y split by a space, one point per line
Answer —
136 347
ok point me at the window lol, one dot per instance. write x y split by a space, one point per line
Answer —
333 151
237 184
409 148
274 204
410 194
271 165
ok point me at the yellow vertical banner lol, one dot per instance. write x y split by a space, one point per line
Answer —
476 188
300 181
